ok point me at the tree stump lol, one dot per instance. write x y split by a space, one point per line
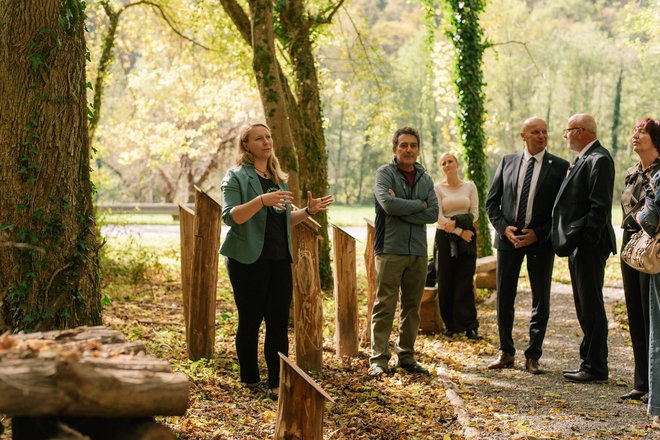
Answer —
300 404
204 276
370 266
308 307
429 313
345 292
485 276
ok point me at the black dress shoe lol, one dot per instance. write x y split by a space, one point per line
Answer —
414 368
577 370
633 395
473 334
584 377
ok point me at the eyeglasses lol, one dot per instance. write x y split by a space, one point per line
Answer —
567 130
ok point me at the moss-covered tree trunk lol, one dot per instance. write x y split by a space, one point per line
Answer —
49 274
467 36
266 71
314 175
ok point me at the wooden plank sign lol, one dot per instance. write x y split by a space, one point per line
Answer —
345 292
187 233
300 404
370 266
204 276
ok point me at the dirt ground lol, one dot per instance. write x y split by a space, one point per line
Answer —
512 403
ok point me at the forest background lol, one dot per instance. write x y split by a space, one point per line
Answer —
171 107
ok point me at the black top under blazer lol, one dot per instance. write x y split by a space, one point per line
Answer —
582 214
501 200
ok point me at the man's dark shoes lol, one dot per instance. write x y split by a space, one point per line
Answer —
576 370
584 377
504 360
532 365
448 333
633 395
414 368
376 370
473 334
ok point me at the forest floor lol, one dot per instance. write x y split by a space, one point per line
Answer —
144 302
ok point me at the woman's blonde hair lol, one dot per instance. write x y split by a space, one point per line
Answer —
245 157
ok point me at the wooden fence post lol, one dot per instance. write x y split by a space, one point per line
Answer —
370 266
300 404
345 292
204 276
187 233
308 308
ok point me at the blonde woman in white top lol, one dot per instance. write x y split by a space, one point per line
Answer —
456 250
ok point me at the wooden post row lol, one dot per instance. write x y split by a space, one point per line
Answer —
345 292
201 319
370 266
308 308
300 404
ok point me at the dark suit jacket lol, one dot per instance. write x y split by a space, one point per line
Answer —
582 214
501 201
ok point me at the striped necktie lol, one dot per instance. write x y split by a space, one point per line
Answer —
524 194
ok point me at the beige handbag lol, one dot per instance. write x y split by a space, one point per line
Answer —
642 252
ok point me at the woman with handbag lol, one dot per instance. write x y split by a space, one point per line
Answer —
456 250
645 133
636 283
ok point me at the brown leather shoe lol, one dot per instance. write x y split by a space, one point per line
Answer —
504 360
532 365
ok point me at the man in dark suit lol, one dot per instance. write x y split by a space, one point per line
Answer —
519 206
582 230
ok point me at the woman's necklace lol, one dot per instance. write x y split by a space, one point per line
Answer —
263 173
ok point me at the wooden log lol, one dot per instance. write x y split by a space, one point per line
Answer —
370 265
99 333
187 234
300 404
308 307
204 277
486 280
429 313
345 292
35 387
70 428
486 264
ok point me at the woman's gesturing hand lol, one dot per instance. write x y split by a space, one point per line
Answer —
320 204
278 199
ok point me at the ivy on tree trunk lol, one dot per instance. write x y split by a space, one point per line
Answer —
467 37
49 269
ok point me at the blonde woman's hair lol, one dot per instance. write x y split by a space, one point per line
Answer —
245 157
448 153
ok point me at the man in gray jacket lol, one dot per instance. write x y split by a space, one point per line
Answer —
405 203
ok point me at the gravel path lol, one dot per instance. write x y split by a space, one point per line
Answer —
511 403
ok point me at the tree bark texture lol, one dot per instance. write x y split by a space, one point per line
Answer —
266 70
346 305
52 281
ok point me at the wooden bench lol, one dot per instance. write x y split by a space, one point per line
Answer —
87 380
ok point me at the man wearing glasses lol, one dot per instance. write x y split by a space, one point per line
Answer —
582 231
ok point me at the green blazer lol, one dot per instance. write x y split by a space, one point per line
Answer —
244 242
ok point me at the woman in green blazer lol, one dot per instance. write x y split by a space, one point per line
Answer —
257 208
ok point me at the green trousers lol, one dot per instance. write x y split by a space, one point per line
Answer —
397 277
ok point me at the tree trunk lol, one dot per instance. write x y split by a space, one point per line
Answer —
314 175
266 70
44 150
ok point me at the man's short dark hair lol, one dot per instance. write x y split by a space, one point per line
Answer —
404 130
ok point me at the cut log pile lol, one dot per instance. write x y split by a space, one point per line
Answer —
485 273
85 372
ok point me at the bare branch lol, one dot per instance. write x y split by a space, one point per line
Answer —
325 16
169 21
529 53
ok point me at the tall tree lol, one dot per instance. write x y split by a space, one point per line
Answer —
616 113
296 119
467 36
49 279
